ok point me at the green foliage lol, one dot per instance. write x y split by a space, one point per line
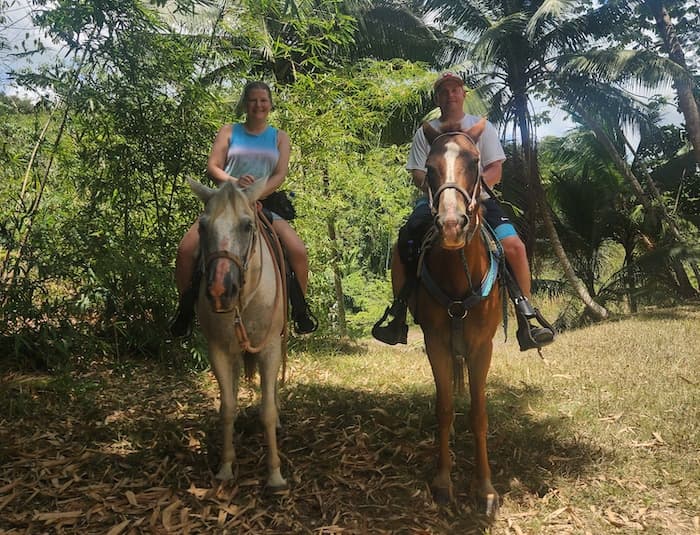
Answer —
343 176
92 194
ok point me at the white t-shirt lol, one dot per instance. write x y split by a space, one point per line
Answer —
488 144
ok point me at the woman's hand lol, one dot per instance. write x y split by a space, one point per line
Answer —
245 180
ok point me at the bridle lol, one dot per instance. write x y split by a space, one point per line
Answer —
241 262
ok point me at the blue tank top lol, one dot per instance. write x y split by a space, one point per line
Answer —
252 154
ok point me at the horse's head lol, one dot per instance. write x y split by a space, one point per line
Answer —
227 237
453 179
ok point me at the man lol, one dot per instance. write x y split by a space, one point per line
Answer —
449 96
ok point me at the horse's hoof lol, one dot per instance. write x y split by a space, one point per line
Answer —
277 490
225 473
441 495
488 505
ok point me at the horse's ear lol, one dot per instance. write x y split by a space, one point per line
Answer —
202 191
475 131
255 190
430 133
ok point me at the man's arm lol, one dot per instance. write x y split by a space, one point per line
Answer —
492 173
419 180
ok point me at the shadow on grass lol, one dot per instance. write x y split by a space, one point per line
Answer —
356 460
336 427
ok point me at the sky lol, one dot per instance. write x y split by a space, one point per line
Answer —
18 27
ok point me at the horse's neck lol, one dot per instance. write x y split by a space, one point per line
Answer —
449 266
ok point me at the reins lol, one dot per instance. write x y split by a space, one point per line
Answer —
239 326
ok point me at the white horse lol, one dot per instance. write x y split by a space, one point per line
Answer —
241 310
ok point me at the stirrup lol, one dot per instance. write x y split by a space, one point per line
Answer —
530 336
305 322
396 331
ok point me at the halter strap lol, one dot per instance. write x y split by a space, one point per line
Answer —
434 198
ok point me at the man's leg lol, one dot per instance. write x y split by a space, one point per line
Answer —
404 261
518 280
396 331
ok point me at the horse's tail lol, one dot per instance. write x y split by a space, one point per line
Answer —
249 366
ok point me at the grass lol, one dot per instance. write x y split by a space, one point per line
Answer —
600 436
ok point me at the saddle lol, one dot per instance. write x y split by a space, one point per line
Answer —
304 321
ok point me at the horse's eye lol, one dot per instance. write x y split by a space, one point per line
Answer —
247 225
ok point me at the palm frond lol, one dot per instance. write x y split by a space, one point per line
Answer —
549 13
471 17
613 106
637 68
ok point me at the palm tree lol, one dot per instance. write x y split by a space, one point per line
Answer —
604 108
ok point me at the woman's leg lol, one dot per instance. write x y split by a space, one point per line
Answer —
304 321
296 251
181 324
186 257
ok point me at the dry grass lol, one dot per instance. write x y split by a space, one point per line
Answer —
600 437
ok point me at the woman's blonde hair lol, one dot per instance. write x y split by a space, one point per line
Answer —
250 86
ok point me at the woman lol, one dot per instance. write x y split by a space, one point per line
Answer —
243 153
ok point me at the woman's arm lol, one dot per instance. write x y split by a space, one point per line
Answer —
217 156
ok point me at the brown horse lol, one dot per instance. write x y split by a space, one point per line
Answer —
457 302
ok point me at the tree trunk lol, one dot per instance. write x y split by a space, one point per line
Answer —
684 88
530 216
597 311
533 177
335 263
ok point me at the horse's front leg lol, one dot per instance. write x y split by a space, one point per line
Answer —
227 371
479 363
441 363
269 364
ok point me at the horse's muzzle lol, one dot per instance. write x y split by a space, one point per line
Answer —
222 285
453 230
